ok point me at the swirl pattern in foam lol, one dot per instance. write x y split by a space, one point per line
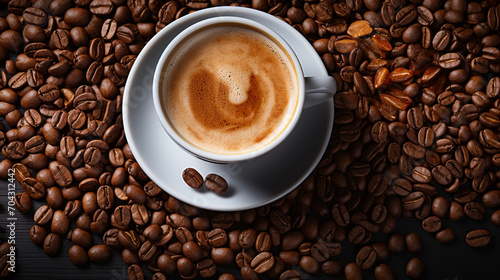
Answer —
229 90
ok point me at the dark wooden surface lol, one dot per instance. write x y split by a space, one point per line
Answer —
455 261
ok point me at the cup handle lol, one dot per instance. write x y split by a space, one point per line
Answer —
319 89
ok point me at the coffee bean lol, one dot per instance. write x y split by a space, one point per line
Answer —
352 272
474 210
450 61
384 272
262 262
366 257
134 272
101 7
105 197
493 87
43 215
415 268
216 183
414 150
148 250
126 33
81 237
396 243
78 256
377 185
381 250
402 187
129 239
35 16
413 200
478 238
357 234
192 178
217 238
413 243
431 224
340 214
37 234
206 268
22 202
442 175
60 223
222 255
422 174
491 199
108 29
52 244
446 235
426 136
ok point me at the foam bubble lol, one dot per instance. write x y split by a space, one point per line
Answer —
237 80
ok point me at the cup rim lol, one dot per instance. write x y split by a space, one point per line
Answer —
220 157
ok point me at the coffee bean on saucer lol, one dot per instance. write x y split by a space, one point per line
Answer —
192 178
216 183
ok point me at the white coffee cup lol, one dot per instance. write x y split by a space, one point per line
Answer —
311 90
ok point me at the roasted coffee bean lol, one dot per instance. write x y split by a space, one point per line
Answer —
216 183
22 202
78 256
60 223
474 210
446 235
357 234
134 272
129 239
413 150
38 234
415 268
147 251
450 61
81 237
43 215
383 272
222 255
440 206
431 224
377 185
105 197
413 200
413 243
396 243
402 187
206 268
136 194
101 7
352 272
52 244
262 262
366 257
192 178
442 175
423 175
491 199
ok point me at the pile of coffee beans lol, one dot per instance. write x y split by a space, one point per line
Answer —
416 136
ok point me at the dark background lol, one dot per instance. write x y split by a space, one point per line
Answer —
454 261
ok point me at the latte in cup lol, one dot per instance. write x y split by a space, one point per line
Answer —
229 89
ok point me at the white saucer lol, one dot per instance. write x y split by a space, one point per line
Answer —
251 184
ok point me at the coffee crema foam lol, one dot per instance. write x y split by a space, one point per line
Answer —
229 90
